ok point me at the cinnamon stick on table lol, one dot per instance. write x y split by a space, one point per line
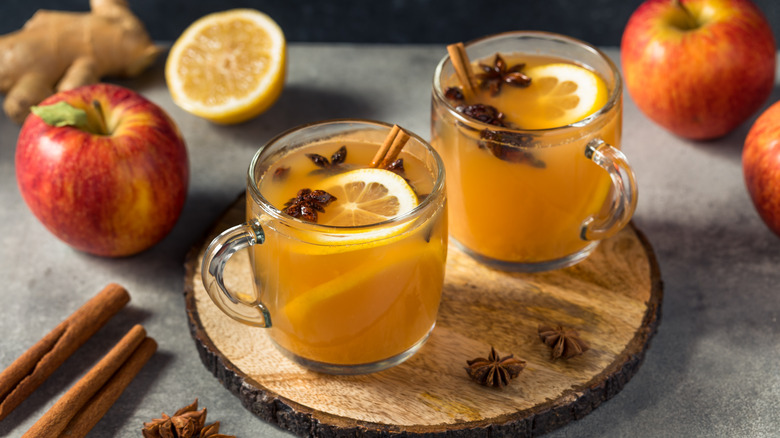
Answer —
56 419
102 401
34 366
395 141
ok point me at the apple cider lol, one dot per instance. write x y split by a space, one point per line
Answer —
352 288
520 184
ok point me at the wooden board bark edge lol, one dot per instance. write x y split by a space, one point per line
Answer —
301 420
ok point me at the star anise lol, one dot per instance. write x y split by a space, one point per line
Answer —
494 371
565 343
280 174
396 166
483 113
328 166
510 146
187 422
454 93
307 203
494 76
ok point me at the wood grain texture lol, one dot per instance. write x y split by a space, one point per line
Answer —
613 299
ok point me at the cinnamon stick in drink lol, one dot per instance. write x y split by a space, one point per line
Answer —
56 419
395 141
34 366
462 65
380 154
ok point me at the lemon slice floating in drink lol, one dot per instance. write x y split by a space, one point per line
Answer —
366 196
560 94
228 66
363 197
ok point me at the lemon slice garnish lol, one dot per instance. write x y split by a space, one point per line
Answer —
366 196
363 197
228 66
559 95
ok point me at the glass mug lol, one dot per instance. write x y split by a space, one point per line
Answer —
337 299
533 200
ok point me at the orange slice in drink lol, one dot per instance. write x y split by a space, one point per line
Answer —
228 66
560 94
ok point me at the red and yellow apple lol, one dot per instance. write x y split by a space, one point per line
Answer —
112 186
698 68
761 166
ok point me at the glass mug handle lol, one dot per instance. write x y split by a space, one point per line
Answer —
624 198
216 257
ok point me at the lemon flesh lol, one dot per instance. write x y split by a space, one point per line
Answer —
228 67
560 94
367 196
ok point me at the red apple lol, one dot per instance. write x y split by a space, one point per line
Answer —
698 68
114 187
761 166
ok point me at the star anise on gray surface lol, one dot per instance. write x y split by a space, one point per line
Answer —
566 343
187 422
307 203
494 370
498 74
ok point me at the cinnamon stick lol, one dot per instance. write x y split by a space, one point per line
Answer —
101 402
462 65
56 419
35 365
395 141
380 154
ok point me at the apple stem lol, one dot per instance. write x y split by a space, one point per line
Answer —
101 118
689 18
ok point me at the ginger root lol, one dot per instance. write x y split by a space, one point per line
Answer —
59 51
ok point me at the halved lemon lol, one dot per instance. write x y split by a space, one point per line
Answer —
366 196
560 94
228 66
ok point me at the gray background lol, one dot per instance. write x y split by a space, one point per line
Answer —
599 22
711 370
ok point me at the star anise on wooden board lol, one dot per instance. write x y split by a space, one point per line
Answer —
307 203
187 422
566 343
498 74
494 371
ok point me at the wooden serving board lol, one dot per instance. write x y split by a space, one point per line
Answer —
613 299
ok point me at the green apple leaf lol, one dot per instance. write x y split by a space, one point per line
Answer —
62 114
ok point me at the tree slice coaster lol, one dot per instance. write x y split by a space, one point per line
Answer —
613 299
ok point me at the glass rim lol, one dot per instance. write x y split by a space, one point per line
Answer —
268 207
614 94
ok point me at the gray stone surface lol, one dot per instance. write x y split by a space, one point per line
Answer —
711 369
